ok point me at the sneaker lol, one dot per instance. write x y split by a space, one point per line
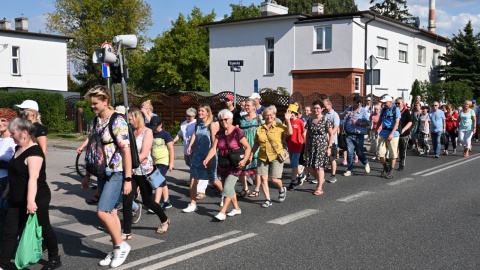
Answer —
436 156
221 216
344 163
313 181
190 208
267 204
52 264
301 179
107 261
292 185
120 254
137 214
332 179
234 212
347 173
385 170
367 168
101 228
166 205
150 211
355 160
454 151
282 195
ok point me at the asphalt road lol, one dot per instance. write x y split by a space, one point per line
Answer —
426 217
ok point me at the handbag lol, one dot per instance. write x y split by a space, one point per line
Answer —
282 155
232 158
155 178
29 249
342 139
443 139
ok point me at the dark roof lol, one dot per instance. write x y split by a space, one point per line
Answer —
15 32
307 18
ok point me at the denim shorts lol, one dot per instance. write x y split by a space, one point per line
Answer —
110 191
294 159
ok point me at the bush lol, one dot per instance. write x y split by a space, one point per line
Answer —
51 105
173 128
88 114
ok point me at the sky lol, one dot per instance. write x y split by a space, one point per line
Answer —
452 15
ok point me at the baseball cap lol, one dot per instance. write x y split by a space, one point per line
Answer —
120 109
474 101
155 121
255 96
229 97
358 98
386 99
293 108
369 98
28 104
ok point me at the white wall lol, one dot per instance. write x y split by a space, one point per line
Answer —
43 62
247 42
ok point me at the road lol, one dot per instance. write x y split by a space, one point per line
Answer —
426 217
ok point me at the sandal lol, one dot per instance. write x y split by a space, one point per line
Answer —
93 200
163 228
126 236
201 196
318 191
244 193
254 194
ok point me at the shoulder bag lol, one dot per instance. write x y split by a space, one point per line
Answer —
233 157
155 178
281 155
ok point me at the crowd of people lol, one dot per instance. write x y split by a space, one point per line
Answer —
249 145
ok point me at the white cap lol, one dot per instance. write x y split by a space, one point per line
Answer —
120 109
255 96
28 104
386 99
369 98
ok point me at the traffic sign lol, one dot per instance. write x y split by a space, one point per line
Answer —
105 70
371 61
235 69
235 63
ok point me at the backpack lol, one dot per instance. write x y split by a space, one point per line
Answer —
384 111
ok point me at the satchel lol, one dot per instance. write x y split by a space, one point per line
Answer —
155 179
236 156
444 139
283 155
29 249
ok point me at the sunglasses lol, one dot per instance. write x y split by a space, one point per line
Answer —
224 119
435 105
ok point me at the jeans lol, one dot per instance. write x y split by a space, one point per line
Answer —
437 146
451 136
355 143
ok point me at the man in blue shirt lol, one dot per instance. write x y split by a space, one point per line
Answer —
356 121
437 127
388 137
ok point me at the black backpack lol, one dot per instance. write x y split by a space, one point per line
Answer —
383 113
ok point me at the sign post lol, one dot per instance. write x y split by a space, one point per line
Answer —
235 67
371 62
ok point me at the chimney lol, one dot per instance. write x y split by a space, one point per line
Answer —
21 24
270 8
5 24
317 9
431 17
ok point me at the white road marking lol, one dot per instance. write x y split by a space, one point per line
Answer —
293 217
197 252
137 242
451 166
400 181
55 219
355 196
78 229
175 250
445 164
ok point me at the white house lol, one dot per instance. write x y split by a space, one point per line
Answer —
322 53
32 60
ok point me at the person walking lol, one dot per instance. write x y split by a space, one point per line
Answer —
28 193
147 110
466 127
356 121
30 110
295 143
118 175
451 133
406 122
269 142
334 118
227 139
424 131
389 136
417 112
437 127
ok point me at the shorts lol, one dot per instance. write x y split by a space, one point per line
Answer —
163 170
110 190
188 160
229 186
273 169
333 153
384 144
294 159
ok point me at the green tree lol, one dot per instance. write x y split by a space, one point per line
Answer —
395 9
416 91
179 58
462 62
91 22
330 6
242 12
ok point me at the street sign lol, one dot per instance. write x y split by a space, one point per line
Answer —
371 62
235 63
105 70
235 69
375 77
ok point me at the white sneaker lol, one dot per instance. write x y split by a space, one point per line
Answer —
221 216
190 208
234 212
120 254
347 173
107 260
367 168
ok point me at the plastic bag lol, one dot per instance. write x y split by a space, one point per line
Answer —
30 247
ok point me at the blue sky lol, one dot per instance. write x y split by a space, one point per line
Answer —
452 15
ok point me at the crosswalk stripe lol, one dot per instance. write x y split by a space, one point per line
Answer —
78 229
354 196
290 218
138 241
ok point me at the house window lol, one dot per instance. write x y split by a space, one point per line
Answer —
269 48
358 83
421 55
402 52
324 38
382 45
436 59
15 60
403 93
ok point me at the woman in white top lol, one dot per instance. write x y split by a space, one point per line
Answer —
466 126
7 150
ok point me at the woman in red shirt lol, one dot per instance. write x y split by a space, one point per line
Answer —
451 129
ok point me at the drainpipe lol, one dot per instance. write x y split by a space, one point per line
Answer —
365 55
